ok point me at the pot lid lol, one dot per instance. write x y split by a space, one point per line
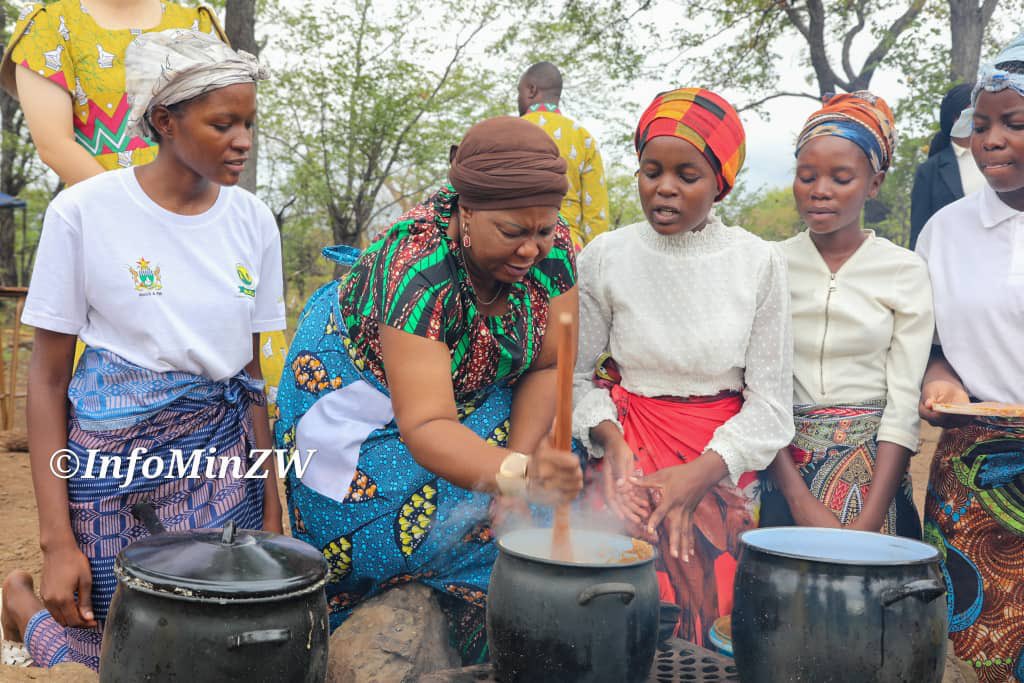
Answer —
228 563
839 546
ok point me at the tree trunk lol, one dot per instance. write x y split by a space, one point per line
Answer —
8 185
11 180
240 25
968 20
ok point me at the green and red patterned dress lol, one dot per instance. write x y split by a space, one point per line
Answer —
381 519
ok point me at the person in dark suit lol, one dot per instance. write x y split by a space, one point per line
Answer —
949 172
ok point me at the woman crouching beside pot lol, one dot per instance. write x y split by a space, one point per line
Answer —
424 380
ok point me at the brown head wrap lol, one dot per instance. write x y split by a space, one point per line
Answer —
508 163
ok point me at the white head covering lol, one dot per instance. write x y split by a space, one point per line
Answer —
993 79
167 67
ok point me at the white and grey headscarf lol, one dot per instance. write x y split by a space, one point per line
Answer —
168 67
993 79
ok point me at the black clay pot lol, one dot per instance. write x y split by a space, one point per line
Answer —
827 605
217 605
586 620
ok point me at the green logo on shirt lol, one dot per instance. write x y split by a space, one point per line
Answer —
246 287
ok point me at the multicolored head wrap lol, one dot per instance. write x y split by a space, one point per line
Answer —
703 119
993 79
860 117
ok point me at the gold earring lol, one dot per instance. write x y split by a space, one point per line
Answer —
466 241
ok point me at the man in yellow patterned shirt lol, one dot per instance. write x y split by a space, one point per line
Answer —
585 207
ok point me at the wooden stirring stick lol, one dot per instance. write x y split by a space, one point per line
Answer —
561 545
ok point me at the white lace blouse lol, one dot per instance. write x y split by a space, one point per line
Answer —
690 315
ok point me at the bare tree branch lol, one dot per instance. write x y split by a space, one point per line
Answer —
757 103
877 55
850 35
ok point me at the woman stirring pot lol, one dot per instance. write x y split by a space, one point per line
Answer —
425 382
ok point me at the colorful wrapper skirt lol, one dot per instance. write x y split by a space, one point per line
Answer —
380 518
667 431
117 407
835 449
974 515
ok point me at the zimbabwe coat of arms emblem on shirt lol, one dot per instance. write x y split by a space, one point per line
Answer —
146 278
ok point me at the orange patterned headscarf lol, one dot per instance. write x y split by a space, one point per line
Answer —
703 119
860 117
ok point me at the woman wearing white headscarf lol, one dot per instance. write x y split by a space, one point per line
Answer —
168 273
974 511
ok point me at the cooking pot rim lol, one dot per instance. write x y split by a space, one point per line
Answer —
503 547
221 565
928 554
184 594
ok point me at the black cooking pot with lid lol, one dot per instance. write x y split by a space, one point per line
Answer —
591 619
216 605
837 605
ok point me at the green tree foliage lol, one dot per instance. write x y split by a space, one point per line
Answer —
379 98
358 127
768 213
623 200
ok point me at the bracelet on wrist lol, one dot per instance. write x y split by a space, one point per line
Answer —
511 475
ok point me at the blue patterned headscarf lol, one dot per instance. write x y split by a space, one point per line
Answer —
860 117
993 79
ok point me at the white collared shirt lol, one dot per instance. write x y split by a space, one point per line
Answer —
971 177
975 253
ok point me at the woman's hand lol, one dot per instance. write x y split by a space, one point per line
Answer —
625 499
553 477
809 511
66 571
681 489
943 391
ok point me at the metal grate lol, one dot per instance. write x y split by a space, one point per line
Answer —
676 661
681 662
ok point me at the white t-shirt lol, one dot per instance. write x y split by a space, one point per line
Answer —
161 290
975 253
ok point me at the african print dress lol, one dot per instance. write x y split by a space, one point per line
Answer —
380 518
974 515
63 43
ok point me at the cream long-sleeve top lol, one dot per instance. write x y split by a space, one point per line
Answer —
862 333
690 315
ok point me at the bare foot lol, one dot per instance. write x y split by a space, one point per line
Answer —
20 603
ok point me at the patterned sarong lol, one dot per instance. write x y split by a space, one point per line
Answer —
835 449
974 515
117 407
381 519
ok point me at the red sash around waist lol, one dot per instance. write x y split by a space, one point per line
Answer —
667 431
